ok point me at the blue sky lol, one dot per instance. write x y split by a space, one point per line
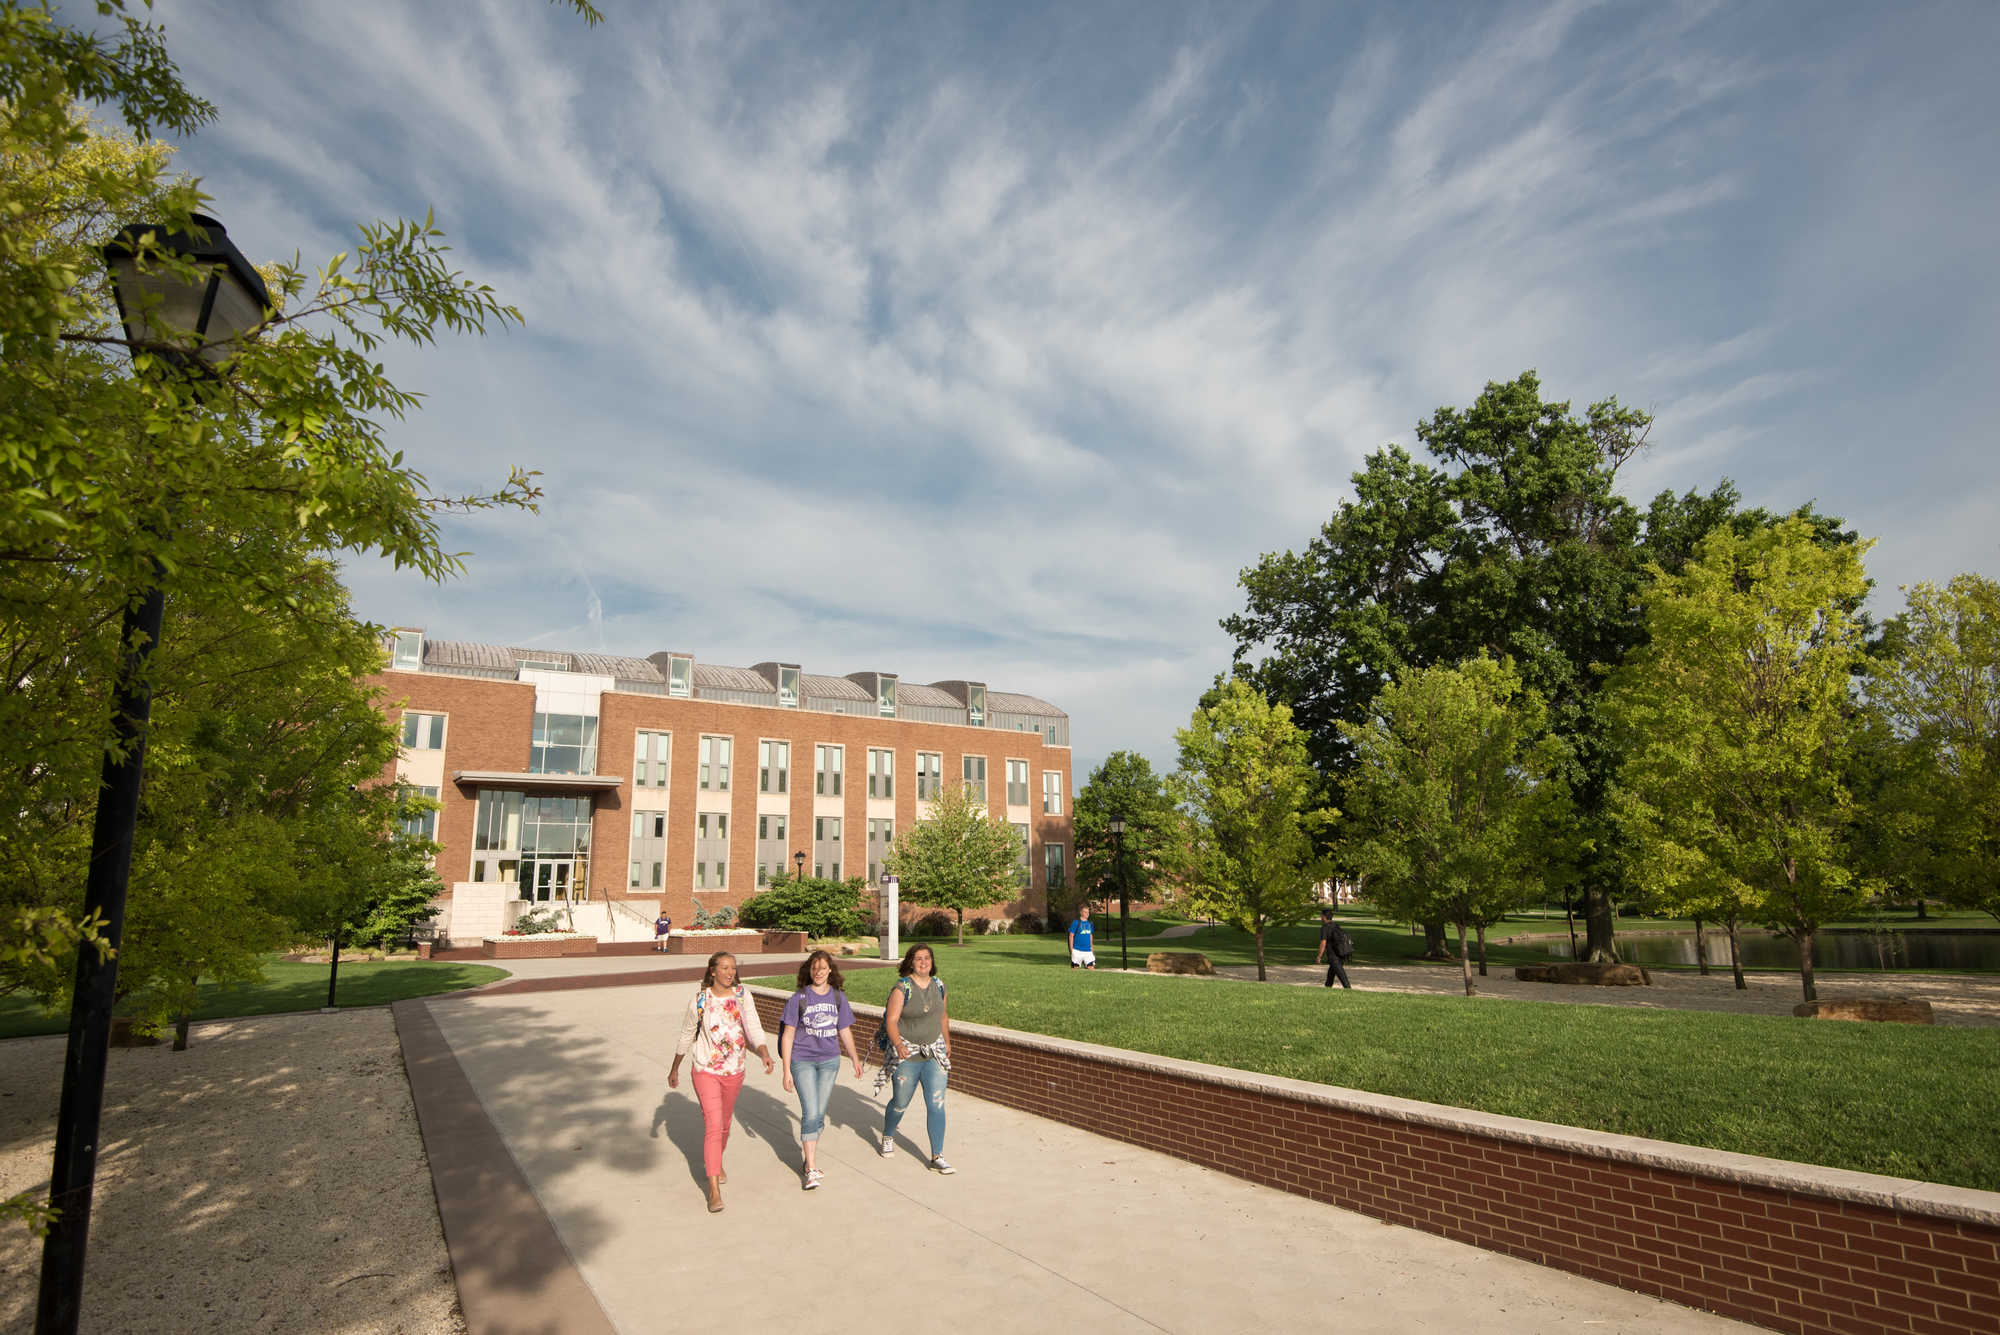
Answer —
993 341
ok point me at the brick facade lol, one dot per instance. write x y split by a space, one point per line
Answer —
1791 1248
489 725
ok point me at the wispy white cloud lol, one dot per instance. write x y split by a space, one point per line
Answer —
959 347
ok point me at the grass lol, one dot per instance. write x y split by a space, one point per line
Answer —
286 987
1906 1101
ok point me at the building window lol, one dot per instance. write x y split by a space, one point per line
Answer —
423 732
649 849
651 751
788 688
930 775
408 655
1052 792
771 850
975 777
423 825
711 825
885 696
774 767
1021 866
826 829
1052 863
539 665
881 773
881 837
563 744
975 706
680 675
771 827
1017 783
715 753
827 762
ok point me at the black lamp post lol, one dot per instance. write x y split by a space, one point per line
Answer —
1124 900
191 322
800 858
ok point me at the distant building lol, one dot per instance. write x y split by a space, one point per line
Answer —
573 778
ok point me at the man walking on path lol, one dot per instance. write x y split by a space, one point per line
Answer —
1081 953
1335 948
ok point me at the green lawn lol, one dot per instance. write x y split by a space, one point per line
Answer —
1906 1101
287 987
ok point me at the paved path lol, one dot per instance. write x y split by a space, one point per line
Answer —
1043 1228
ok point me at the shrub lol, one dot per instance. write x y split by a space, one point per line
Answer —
709 919
935 923
1028 922
989 926
536 921
815 906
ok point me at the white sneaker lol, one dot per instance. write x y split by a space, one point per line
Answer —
938 1163
811 1180
888 1147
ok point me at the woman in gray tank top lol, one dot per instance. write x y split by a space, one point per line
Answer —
920 1041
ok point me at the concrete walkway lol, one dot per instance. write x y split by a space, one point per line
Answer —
557 1141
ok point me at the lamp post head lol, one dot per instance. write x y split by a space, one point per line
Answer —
800 858
194 319
1117 827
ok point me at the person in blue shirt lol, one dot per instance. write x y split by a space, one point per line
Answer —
1081 955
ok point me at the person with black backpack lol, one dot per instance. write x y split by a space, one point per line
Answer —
1336 947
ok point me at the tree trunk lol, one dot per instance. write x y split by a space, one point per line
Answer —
1482 950
181 1020
1569 916
1922 911
1701 947
1260 952
1736 958
1600 927
961 925
1806 964
1465 963
1434 944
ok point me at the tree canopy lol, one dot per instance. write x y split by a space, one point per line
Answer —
957 858
1155 840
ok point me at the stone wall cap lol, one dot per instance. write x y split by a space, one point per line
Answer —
1935 1200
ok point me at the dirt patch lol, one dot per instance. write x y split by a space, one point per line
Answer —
270 1178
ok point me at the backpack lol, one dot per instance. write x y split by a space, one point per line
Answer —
1342 943
882 1025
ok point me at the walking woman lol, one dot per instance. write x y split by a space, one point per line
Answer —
818 1026
919 1050
720 1026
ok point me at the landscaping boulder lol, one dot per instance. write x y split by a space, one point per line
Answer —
1593 975
1178 961
1891 1010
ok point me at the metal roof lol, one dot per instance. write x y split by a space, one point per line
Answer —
1006 702
495 657
918 696
831 688
731 678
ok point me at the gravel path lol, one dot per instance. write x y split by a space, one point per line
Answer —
270 1178
1956 999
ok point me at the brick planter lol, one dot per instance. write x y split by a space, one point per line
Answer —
536 947
736 943
784 943
1816 1251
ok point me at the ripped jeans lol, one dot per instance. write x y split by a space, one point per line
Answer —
909 1075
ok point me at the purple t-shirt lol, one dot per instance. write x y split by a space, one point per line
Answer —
819 1020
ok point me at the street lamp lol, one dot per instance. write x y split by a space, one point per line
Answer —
1124 901
800 859
221 301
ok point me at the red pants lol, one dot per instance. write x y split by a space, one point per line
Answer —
718 1104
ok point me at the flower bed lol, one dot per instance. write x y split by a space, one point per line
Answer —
537 945
708 940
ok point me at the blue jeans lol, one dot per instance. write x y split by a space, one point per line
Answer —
814 1081
908 1076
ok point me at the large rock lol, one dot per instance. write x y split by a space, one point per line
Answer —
1892 1010
1178 961
1594 975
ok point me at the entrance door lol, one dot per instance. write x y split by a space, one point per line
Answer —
552 881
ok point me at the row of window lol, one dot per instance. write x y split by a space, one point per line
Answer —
711 867
567 744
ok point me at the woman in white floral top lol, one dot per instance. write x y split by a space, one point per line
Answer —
720 1026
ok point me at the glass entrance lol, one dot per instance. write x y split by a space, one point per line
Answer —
551 882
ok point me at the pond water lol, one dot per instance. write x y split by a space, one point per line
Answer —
1961 949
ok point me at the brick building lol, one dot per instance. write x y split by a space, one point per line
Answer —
628 784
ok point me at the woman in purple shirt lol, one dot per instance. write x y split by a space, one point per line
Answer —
817 1026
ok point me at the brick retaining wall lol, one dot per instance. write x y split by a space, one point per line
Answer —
1787 1246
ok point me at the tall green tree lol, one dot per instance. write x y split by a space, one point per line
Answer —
1938 692
1457 798
1737 717
1248 788
958 858
1153 850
